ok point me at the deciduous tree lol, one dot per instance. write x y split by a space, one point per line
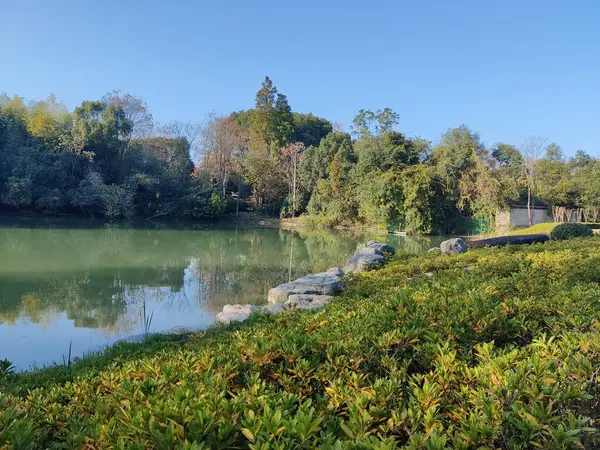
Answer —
531 150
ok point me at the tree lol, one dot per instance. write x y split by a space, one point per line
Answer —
587 182
289 159
135 111
316 163
554 153
480 191
454 155
580 160
310 129
282 122
272 121
506 166
220 144
333 199
265 97
531 150
171 153
42 123
386 120
190 131
391 150
417 190
264 175
362 123
368 123
50 121
97 129
15 108
553 184
507 155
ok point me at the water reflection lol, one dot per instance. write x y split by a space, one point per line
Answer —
88 284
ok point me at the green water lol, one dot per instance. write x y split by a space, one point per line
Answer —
86 284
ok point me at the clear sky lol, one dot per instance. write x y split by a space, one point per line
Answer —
507 68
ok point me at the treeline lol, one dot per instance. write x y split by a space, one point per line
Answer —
108 157
104 158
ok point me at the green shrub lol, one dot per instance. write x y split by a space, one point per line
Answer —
566 231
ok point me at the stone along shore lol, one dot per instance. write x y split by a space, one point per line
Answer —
311 291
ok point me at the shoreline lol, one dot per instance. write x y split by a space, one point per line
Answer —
246 372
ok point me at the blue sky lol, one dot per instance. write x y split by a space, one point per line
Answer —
508 69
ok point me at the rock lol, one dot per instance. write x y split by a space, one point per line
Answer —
469 268
375 248
453 246
428 274
361 263
304 301
335 272
235 313
435 250
319 283
275 308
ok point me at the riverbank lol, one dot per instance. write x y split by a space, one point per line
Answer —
306 222
421 353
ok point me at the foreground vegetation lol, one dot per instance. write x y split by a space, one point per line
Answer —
108 157
503 355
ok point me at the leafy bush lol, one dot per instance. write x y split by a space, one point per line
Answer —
504 355
203 203
51 201
18 192
566 231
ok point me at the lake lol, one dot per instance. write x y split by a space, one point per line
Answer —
87 284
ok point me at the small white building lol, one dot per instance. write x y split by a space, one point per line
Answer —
517 216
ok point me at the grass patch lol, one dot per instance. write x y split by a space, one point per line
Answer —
545 228
503 355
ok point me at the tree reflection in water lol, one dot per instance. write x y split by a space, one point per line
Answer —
100 276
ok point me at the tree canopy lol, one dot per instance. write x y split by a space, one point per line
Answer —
108 157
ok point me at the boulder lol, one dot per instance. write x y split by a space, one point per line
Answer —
304 301
361 263
375 248
335 272
453 246
235 313
434 251
274 308
319 284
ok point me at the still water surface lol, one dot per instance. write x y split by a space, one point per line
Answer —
87 284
